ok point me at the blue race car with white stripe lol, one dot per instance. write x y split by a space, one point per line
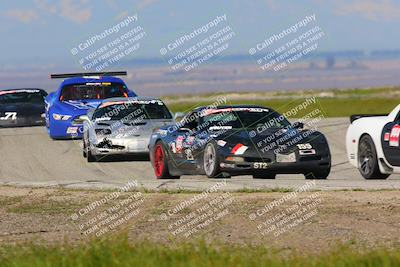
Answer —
78 93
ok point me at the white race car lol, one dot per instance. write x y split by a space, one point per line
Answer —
122 126
372 143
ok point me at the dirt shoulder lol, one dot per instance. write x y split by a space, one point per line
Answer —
308 221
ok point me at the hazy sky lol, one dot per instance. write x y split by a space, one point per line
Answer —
45 31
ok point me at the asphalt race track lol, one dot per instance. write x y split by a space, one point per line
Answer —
30 158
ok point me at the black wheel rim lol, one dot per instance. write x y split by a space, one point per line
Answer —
365 157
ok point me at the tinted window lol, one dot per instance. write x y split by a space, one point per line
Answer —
93 91
190 121
132 110
22 96
244 118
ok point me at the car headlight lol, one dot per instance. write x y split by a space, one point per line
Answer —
59 117
79 120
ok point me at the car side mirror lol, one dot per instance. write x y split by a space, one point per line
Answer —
183 129
178 116
298 125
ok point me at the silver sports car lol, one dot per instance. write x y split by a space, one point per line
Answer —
122 126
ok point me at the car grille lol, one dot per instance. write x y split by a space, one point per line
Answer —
310 158
257 159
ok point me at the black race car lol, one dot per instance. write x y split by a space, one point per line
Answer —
22 107
238 140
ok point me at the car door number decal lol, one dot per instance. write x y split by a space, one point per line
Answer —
394 136
304 146
260 165
9 116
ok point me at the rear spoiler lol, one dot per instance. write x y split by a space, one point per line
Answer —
88 74
358 116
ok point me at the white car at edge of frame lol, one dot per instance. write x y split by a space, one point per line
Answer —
372 143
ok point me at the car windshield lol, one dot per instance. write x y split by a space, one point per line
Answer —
127 111
244 118
89 91
22 96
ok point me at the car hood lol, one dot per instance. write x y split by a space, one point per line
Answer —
131 128
270 140
80 104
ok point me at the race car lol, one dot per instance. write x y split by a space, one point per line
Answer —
372 143
238 140
76 94
22 107
122 126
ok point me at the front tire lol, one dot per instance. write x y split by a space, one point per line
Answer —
89 156
84 153
160 162
368 160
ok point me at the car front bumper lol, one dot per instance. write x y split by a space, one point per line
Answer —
23 122
117 146
302 165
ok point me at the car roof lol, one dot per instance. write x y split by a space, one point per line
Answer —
79 80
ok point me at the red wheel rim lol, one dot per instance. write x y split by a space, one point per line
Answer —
158 160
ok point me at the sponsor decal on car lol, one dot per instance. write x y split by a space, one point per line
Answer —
189 140
221 142
72 130
131 102
222 110
239 149
394 136
386 137
9 116
289 158
173 147
260 165
179 143
304 146
189 155
19 91
81 105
